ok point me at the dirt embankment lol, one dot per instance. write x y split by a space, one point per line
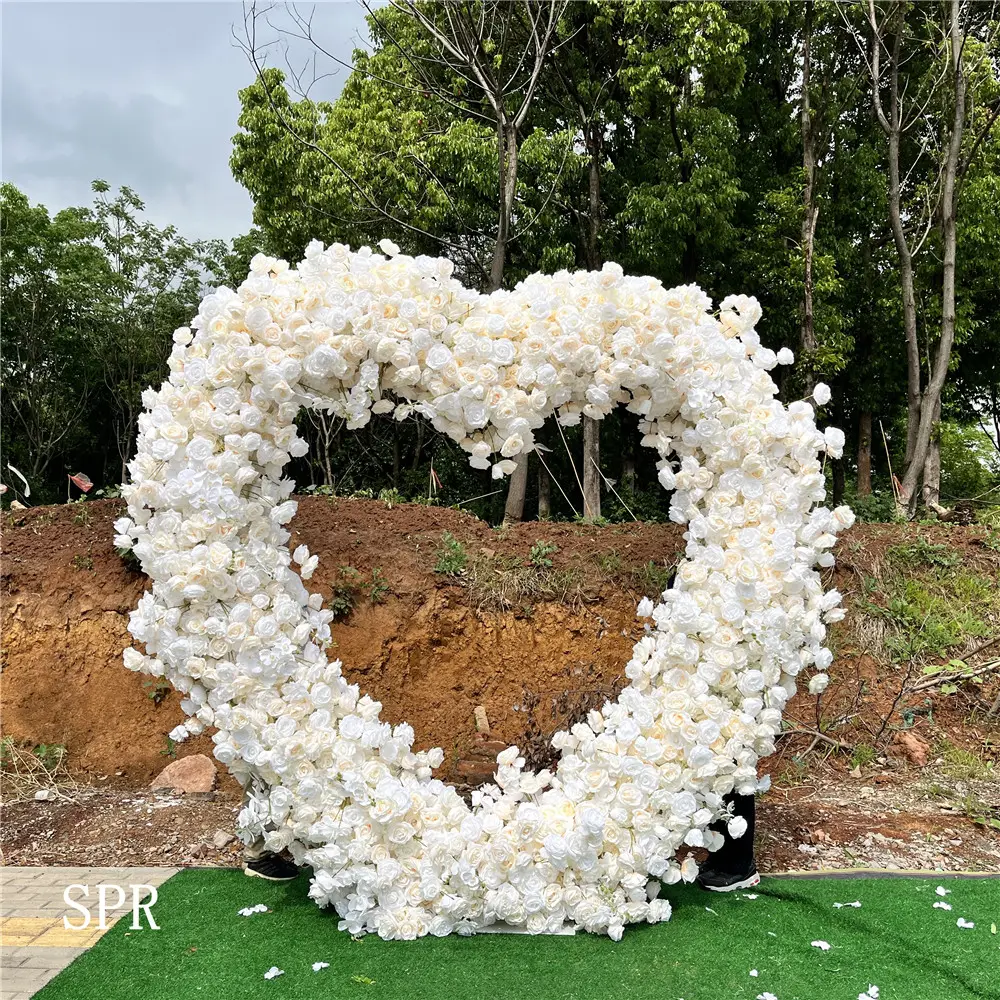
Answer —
536 626
421 641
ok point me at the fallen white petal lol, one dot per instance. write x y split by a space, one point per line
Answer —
856 904
942 891
754 973
965 924
320 965
822 945
941 905
749 895
273 972
766 996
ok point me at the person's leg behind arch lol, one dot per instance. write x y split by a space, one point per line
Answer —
732 866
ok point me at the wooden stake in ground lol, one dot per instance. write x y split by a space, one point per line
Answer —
482 720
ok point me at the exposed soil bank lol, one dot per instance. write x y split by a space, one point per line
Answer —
430 646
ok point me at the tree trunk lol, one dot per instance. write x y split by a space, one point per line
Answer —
864 487
507 149
591 464
630 441
418 447
594 145
837 469
592 428
544 494
932 464
396 455
931 401
892 125
514 507
810 210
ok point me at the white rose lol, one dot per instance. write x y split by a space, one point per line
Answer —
821 394
818 683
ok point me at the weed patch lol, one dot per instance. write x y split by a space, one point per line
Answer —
926 604
452 557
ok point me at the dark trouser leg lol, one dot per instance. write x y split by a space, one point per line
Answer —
736 854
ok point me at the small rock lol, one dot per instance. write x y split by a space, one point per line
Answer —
476 771
45 795
189 775
856 772
222 838
914 747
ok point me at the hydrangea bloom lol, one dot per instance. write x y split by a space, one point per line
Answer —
230 623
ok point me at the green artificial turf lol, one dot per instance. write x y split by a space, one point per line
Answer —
896 940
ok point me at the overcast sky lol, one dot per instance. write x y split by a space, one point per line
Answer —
139 94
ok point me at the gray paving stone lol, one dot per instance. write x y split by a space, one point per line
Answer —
28 980
50 958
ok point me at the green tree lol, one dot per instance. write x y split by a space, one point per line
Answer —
52 278
154 279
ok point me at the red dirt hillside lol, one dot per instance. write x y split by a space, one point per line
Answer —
536 626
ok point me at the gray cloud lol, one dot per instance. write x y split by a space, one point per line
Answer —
93 135
139 94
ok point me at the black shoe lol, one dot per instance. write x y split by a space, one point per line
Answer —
272 867
718 881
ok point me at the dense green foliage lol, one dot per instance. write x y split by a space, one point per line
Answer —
90 300
665 136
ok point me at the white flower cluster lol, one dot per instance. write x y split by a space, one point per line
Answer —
229 622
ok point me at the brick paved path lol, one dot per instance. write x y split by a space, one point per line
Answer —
34 942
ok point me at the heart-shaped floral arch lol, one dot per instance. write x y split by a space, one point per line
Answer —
230 623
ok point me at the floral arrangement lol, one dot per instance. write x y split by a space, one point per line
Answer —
230 622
